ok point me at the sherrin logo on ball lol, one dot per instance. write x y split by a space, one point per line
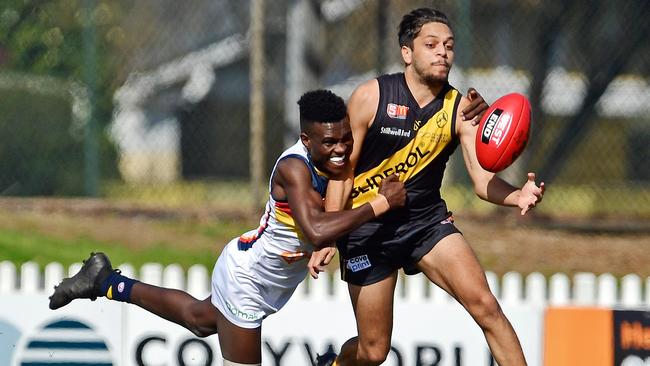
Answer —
503 132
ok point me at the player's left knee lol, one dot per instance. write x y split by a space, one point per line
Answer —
199 327
374 352
485 309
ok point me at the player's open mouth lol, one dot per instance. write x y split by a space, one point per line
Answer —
337 160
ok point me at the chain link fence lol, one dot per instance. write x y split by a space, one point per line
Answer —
151 101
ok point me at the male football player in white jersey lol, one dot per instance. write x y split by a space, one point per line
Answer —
257 273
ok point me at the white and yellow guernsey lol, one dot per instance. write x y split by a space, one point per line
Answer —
257 273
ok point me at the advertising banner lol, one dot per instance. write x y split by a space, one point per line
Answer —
576 336
104 332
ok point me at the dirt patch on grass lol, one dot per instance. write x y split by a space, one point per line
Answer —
526 245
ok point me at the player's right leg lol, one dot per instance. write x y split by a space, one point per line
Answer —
373 310
97 278
453 266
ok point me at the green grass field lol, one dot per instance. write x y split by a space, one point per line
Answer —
189 223
65 238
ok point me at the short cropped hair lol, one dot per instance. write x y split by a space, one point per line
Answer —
320 106
412 23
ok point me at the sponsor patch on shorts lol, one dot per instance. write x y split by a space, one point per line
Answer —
243 315
359 263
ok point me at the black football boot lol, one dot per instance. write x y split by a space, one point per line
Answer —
86 284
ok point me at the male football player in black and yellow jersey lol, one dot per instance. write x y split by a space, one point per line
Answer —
410 123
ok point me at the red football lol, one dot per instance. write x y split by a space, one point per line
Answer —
503 132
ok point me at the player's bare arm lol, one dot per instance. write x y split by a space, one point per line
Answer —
362 107
293 180
488 186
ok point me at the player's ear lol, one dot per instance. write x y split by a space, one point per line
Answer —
407 55
305 140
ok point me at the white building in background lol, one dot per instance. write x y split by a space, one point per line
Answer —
149 143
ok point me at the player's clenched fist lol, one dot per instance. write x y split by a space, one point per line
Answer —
393 190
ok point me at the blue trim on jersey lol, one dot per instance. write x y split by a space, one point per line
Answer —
318 182
245 246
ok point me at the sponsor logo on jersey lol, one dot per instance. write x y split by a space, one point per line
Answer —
396 111
395 132
442 118
359 263
496 127
427 138
411 161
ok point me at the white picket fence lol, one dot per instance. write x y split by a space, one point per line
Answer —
583 289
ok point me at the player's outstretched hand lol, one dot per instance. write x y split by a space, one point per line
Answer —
531 194
475 109
393 190
319 259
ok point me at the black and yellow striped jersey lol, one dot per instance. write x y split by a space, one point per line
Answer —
415 142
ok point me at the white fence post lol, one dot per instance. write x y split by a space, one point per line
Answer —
199 282
559 292
29 278
536 288
173 277
511 291
631 291
584 288
151 273
53 276
7 277
606 290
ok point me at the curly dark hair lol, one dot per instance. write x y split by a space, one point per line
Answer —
320 106
412 23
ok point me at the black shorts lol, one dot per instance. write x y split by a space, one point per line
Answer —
374 251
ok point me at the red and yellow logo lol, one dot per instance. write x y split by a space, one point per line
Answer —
397 111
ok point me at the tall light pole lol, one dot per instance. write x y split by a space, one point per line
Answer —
257 125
